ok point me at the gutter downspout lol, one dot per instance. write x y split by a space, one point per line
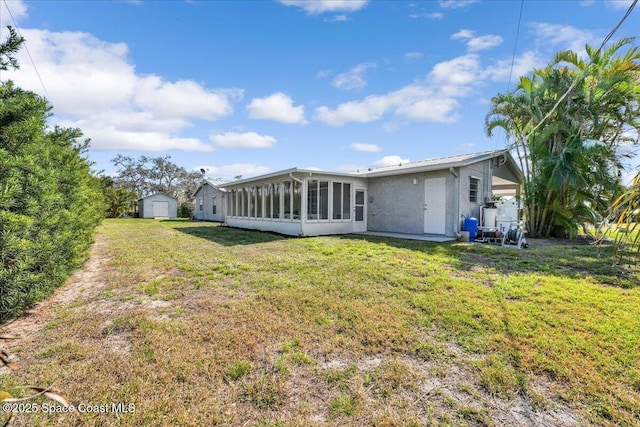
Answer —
456 224
295 179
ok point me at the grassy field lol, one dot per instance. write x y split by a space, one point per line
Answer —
197 324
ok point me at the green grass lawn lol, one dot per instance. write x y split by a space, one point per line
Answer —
198 325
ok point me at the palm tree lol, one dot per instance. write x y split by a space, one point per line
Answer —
624 214
565 123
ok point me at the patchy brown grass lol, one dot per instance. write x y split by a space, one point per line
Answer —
197 324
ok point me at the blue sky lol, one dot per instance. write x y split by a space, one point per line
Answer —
249 87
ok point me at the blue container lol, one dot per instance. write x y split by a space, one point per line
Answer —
471 225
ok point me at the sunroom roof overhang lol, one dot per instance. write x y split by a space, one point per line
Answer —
288 173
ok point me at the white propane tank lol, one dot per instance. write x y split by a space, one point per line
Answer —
490 215
508 208
503 222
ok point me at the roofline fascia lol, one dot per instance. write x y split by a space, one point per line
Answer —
288 173
158 192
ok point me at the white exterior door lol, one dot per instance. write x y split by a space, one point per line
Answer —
160 209
360 211
435 198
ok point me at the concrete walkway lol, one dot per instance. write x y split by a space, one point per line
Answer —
423 237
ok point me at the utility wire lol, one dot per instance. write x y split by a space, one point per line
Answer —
513 61
15 24
575 81
515 45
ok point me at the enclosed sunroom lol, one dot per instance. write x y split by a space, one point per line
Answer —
299 202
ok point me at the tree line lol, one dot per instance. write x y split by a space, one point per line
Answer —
137 178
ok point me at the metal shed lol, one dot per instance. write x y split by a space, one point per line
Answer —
158 205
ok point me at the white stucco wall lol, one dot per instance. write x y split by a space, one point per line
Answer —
481 170
396 203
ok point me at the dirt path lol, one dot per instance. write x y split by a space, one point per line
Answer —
86 282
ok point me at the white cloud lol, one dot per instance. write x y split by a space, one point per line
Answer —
184 98
337 18
17 8
455 77
107 136
484 42
586 3
354 78
456 4
463 34
231 171
563 36
619 4
368 110
82 74
412 56
474 43
436 98
278 107
369 148
431 100
432 110
93 84
323 73
389 161
434 15
243 140
314 7
522 65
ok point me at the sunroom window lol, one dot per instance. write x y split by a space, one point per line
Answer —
297 200
276 200
286 192
268 198
259 202
317 199
341 200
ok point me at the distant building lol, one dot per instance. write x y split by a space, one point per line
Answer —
210 202
158 205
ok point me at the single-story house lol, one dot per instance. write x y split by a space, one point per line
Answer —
210 200
158 205
427 197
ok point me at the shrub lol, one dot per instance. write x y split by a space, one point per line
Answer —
185 210
50 203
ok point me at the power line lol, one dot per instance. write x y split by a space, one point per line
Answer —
15 24
575 81
513 59
515 45
626 15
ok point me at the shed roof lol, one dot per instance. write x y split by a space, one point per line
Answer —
155 194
